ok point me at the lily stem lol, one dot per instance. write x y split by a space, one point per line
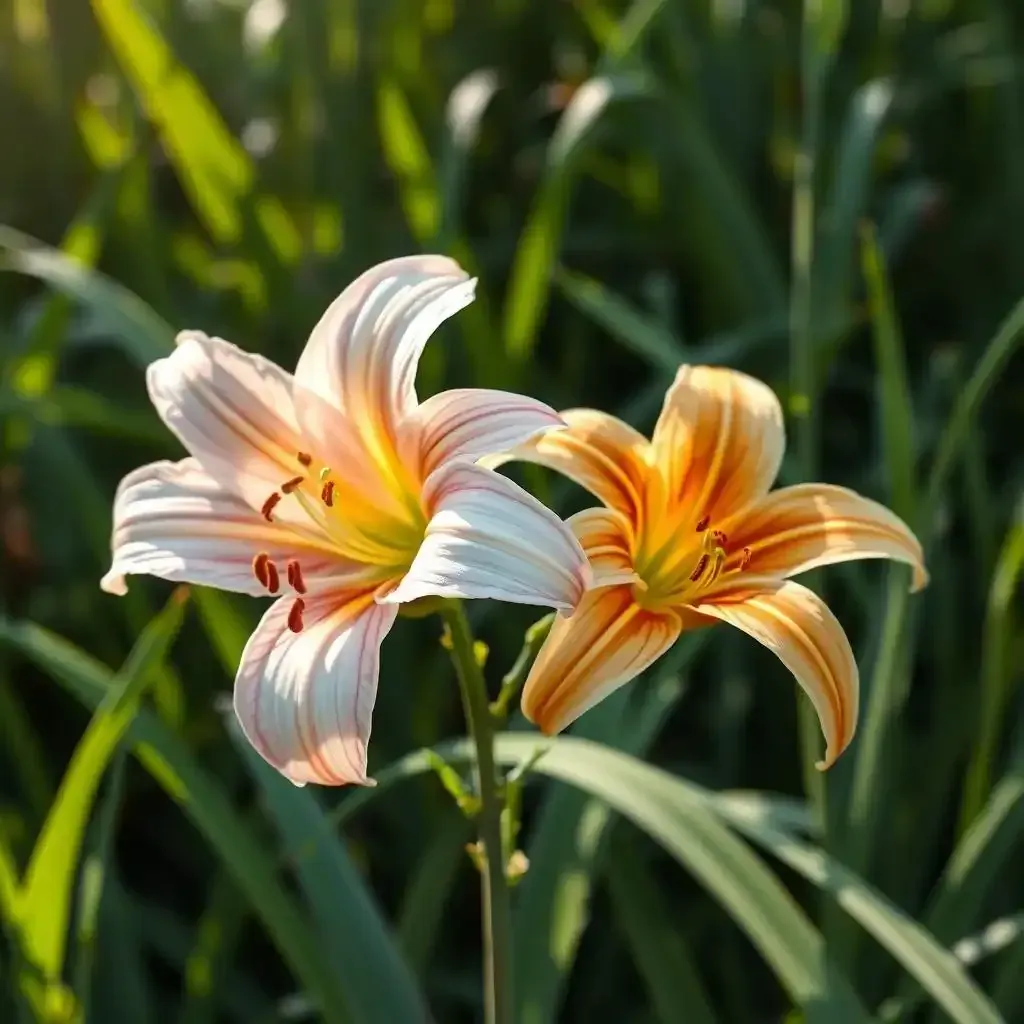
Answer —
497 913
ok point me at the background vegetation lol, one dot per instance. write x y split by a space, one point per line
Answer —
828 195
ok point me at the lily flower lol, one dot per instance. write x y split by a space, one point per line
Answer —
690 534
339 493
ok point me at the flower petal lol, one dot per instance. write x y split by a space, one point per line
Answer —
232 410
607 538
608 641
799 528
718 442
467 423
599 452
798 626
488 538
362 355
174 521
304 700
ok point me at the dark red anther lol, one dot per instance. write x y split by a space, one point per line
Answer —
259 568
295 580
745 559
273 579
720 537
698 569
305 459
702 523
327 494
269 505
289 485
295 615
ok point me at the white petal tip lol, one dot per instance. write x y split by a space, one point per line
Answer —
113 583
297 783
183 336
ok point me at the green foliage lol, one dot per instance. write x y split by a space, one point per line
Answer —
825 194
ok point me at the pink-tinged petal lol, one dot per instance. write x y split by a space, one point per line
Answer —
362 355
718 443
488 538
607 538
799 528
798 626
232 410
599 452
467 423
608 641
305 700
174 521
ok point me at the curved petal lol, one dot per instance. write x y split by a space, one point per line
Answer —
304 700
608 641
174 521
487 537
467 423
798 626
599 452
232 410
607 538
718 442
799 528
362 355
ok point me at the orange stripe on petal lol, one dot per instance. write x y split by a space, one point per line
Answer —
798 626
608 641
799 528
718 442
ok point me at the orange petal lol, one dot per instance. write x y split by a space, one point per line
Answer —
718 442
797 625
601 453
799 528
607 538
608 641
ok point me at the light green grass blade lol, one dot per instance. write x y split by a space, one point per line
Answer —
44 906
206 803
215 171
379 987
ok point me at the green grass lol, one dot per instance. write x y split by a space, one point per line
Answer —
827 195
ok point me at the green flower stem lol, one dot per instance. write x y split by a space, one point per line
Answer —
497 914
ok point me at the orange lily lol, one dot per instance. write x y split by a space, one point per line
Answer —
690 534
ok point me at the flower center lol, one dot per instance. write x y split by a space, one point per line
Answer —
330 507
690 561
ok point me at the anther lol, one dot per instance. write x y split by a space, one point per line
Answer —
295 615
720 537
745 559
268 506
702 523
305 459
698 569
259 568
273 579
327 494
295 580
289 485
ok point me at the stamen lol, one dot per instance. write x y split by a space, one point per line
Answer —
702 523
720 537
295 580
268 506
716 569
698 569
305 459
745 559
327 494
295 615
273 579
259 568
325 473
289 485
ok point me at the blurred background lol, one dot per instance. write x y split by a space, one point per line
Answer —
828 195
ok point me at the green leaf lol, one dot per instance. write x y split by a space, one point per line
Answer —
44 906
378 984
204 800
142 334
